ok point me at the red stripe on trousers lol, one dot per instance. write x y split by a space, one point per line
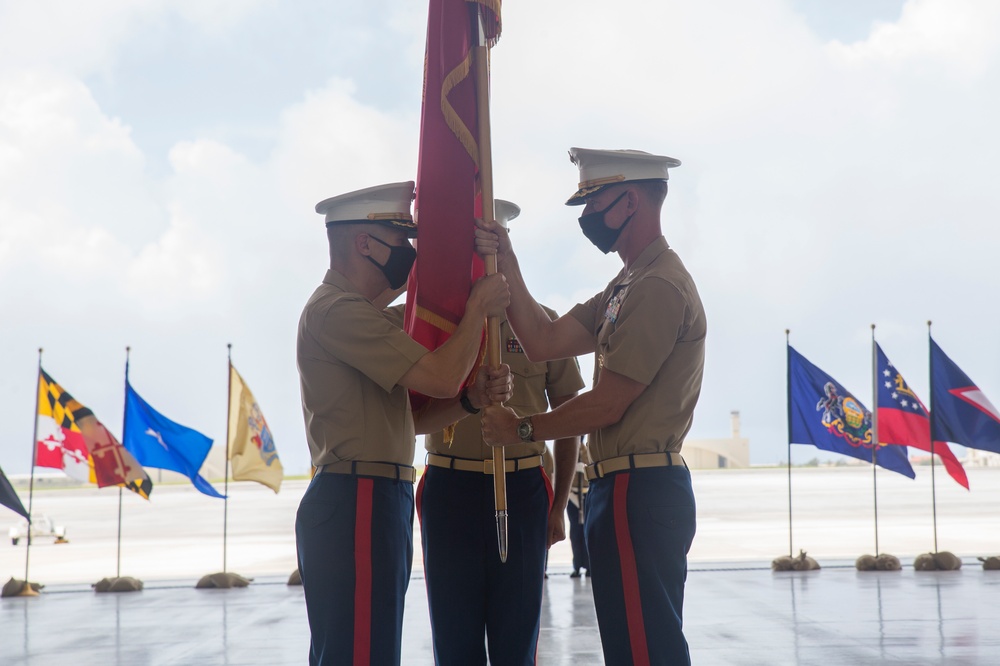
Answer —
548 487
363 574
630 576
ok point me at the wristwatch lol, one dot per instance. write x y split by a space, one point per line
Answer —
466 403
526 430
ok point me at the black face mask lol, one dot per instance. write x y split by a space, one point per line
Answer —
599 233
397 267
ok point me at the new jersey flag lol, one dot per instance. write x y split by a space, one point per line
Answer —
251 446
962 413
823 413
903 419
158 442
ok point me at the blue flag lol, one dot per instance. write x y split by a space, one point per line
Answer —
156 441
823 413
961 412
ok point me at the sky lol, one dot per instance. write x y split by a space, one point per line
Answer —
160 161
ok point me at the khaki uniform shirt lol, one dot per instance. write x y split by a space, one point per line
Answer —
350 358
534 385
649 325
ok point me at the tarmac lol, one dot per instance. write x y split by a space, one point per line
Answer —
737 611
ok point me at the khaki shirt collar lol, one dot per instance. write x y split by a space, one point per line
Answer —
337 279
647 257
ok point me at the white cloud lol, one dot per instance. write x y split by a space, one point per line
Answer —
958 35
82 37
331 143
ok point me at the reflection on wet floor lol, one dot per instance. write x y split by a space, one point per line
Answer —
733 616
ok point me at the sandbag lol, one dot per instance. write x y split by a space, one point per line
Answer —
804 563
886 562
991 563
118 584
865 563
223 581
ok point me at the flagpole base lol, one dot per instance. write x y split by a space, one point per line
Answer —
16 587
222 580
118 584
502 535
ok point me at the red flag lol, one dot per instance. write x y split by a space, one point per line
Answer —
903 419
446 194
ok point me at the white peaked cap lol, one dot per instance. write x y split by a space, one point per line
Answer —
601 168
505 211
383 204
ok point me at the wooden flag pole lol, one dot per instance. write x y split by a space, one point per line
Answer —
481 55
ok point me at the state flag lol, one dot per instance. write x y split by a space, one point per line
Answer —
903 419
251 445
71 438
823 413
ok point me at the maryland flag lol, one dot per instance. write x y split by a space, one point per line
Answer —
71 438
447 194
251 446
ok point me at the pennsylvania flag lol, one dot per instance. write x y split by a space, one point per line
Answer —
962 413
903 419
821 412
8 496
71 438
251 446
159 442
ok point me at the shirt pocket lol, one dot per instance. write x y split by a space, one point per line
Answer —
529 385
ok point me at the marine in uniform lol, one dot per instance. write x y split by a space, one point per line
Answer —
472 595
354 525
647 330
575 512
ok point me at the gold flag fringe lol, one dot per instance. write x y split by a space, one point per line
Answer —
451 117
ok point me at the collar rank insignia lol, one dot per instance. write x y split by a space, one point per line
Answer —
513 346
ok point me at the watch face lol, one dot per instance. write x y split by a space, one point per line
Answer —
524 430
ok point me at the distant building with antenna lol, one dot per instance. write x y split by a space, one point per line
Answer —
730 453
